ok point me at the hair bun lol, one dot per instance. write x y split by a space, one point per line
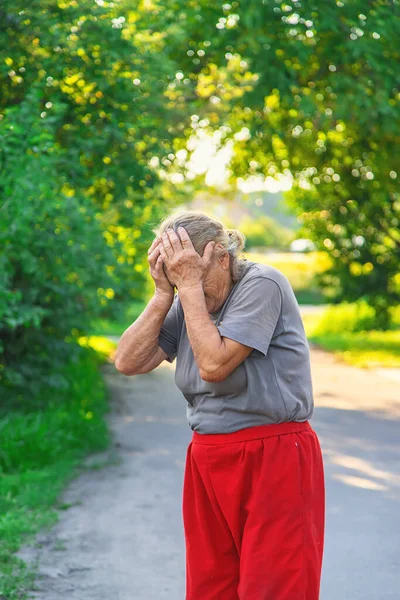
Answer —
237 240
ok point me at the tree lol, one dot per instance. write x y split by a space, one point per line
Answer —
318 100
88 112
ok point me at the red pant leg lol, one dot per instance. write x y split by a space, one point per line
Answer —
271 493
283 538
212 561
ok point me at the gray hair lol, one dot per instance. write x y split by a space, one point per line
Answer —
203 229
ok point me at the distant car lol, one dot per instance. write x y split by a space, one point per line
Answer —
302 245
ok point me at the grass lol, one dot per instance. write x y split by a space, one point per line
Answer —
347 330
40 451
365 349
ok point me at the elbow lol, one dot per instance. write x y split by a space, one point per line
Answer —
212 375
123 367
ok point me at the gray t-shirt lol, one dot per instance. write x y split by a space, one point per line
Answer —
273 384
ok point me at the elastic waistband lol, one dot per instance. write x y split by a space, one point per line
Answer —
251 433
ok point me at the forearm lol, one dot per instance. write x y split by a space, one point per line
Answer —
139 342
206 342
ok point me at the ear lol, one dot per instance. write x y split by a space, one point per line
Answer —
223 258
208 252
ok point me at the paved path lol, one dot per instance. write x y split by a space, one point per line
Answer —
122 537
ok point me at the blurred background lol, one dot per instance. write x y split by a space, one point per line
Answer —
281 119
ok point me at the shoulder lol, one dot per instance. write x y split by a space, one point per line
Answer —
261 274
258 287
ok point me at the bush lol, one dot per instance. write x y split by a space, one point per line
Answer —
53 257
346 317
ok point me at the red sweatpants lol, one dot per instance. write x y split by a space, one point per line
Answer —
254 514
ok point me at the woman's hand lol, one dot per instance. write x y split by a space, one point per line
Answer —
184 266
164 288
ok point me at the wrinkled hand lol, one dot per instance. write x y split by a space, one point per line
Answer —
163 286
184 266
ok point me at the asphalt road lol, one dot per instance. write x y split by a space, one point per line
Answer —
122 538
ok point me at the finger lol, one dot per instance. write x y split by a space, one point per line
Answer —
153 245
208 252
158 267
166 244
156 250
174 239
163 253
185 239
154 255
164 260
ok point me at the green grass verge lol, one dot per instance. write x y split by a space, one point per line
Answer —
40 451
348 331
365 349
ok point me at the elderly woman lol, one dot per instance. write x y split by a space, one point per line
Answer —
254 492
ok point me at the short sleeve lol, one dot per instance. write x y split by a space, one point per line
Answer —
169 332
252 315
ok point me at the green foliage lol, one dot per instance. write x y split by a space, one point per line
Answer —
100 78
346 318
87 102
310 90
116 327
349 318
49 280
40 450
99 97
